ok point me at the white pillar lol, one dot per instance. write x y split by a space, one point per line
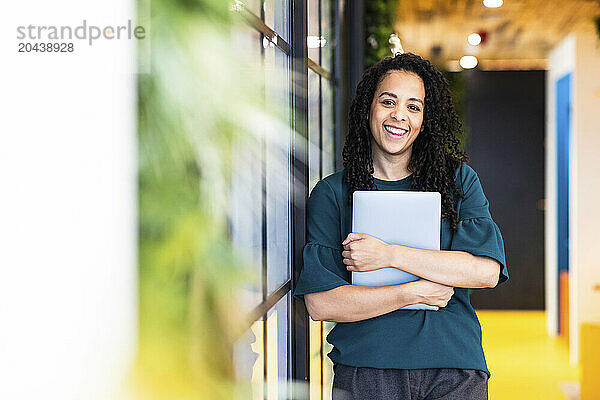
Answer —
68 298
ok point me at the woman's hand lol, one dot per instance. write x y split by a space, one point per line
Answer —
365 253
431 293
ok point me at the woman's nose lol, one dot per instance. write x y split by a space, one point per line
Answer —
398 114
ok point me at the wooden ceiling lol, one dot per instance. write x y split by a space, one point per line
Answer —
520 33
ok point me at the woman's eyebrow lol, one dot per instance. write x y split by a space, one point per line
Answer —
415 99
394 96
388 94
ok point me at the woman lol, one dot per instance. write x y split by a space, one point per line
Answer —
403 135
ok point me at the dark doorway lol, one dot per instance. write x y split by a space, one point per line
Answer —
505 118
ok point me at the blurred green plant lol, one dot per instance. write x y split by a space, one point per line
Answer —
458 92
192 106
380 16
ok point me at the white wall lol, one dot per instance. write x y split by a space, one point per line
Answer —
67 209
585 189
579 53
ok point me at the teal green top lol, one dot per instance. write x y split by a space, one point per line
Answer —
405 339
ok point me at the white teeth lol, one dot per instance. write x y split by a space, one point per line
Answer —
395 131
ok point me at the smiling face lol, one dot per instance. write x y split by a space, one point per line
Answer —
396 114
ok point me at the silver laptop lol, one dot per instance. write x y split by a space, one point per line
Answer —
397 217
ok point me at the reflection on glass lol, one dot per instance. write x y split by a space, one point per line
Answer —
327 363
320 366
248 356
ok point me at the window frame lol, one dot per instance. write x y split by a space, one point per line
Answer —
298 320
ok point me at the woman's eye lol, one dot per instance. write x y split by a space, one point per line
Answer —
388 102
414 108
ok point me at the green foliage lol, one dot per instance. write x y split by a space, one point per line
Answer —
379 25
458 91
193 105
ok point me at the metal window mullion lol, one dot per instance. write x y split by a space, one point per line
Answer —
263 184
320 32
290 266
262 309
299 186
320 114
258 23
336 90
314 66
320 105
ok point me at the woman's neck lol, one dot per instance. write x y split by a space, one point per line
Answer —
390 167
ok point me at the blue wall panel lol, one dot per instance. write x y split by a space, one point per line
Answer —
563 122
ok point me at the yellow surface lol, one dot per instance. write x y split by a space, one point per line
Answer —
524 361
314 348
258 389
319 362
590 361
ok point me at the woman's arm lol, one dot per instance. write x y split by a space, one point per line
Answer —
350 303
453 268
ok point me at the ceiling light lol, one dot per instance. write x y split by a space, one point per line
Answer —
474 39
468 62
492 3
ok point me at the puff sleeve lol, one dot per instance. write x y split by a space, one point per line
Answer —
477 232
323 268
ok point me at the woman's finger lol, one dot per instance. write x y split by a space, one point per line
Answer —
352 236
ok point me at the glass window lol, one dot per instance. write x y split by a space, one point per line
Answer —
278 346
277 17
277 168
261 179
249 43
327 32
246 232
313 31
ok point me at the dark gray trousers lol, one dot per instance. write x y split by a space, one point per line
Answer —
351 383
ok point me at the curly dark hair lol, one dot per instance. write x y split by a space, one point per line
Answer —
436 152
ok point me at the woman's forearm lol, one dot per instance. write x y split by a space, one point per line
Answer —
350 303
452 268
